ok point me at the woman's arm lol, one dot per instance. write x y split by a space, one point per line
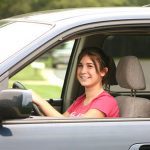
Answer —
45 107
94 113
48 110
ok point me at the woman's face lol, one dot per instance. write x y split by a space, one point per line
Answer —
87 74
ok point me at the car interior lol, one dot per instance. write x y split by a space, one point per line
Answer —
130 75
128 80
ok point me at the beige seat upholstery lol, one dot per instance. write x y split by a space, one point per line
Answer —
129 75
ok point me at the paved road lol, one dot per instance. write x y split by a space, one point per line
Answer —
53 76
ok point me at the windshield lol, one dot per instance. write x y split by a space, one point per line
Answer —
15 36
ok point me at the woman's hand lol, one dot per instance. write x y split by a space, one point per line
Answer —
46 108
36 98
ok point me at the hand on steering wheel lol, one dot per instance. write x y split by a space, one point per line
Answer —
36 110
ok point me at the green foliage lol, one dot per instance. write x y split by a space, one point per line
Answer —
28 73
137 2
15 7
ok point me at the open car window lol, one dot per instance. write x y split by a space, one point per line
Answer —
46 75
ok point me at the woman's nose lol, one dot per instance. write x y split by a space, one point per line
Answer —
83 69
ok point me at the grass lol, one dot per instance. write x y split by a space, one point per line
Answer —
45 91
32 79
28 73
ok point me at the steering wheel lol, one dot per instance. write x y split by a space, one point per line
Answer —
36 110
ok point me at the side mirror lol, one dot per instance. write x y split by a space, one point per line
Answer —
15 103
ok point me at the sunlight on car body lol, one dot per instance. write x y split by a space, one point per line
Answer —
18 35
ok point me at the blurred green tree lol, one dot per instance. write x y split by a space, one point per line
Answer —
15 7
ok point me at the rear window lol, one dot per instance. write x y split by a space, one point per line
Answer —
128 45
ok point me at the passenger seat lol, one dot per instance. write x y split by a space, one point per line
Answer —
129 75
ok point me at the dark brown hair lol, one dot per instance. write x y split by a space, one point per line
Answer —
96 55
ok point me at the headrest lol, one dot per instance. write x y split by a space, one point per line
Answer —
129 73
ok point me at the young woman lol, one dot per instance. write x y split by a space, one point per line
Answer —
92 69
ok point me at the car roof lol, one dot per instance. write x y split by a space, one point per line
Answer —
105 13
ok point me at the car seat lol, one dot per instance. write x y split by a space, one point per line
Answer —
129 75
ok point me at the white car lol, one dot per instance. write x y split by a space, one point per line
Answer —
123 33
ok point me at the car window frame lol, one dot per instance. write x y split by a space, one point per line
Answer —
83 33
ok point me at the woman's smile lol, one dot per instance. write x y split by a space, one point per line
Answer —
86 72
83 77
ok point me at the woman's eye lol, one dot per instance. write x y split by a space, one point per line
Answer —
90 66
80 65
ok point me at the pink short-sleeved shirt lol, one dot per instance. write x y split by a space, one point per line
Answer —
104 102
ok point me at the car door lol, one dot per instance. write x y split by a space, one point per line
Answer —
85 134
